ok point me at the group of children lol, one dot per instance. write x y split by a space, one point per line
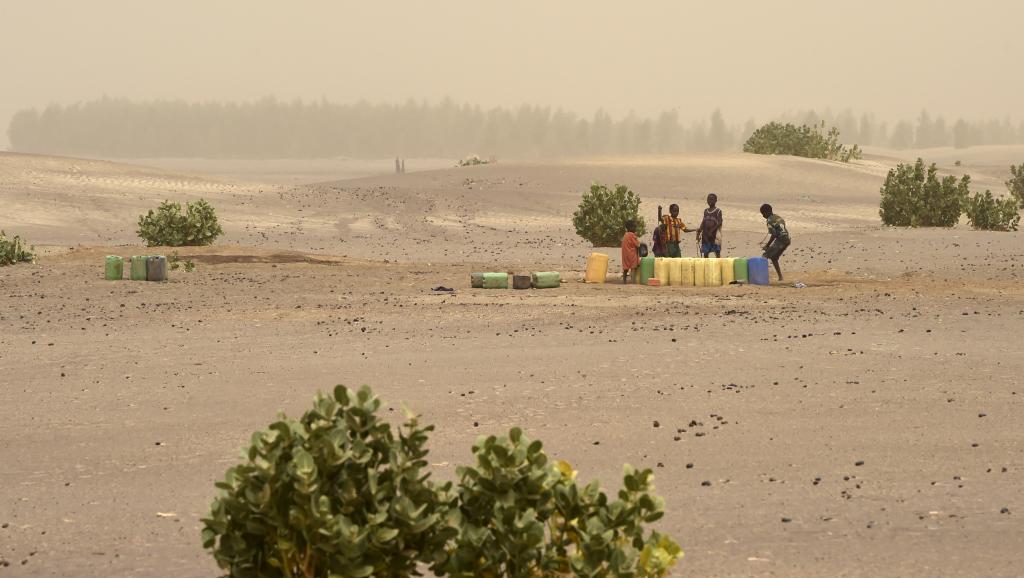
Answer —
668 235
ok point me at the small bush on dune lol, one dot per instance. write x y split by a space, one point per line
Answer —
988 213
336 493
168 227
1016 184
12 250
914 196
802 141
603 212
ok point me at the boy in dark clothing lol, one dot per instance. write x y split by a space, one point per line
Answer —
672 228
779 241
709 232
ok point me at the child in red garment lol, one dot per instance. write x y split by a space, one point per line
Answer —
630 251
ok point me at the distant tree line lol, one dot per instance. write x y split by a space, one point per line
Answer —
270 128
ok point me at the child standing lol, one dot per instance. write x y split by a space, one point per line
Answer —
630 251
672 230
709 234
779 241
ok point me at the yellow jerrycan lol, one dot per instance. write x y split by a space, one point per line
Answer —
713 272
661 270
728 274
699 273
674 271
686 276
597 268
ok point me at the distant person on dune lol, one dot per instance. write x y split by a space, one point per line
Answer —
709 234
630 251
779 240
672 229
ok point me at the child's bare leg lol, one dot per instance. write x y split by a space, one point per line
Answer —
777 269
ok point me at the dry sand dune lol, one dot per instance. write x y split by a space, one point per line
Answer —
864 426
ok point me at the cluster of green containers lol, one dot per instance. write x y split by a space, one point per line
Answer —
540 280
141 268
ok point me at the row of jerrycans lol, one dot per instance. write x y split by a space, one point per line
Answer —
687 272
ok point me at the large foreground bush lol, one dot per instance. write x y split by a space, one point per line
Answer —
802 141
988 213
336 493
168 227
603 212
914 196
12 250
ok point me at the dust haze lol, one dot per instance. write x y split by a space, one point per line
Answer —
751 59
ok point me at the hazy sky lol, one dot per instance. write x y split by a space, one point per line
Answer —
751 58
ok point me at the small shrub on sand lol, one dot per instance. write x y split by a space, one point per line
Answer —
168 227
12 250
1016 184
914 196
337 493
473 160
603 212
988 213
802 141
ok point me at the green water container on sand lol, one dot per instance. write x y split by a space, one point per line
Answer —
547 280
138 268
739 269
114 270
646 270
495 280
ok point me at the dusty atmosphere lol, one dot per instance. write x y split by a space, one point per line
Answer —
125 401
861 419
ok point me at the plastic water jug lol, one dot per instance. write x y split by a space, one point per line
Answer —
546 280
661 270
646 270
156 268
728 270
686 272
757 271
495 280
597 268
713 272
138 269
114 268
522 281
699 273
675 272
739 269
476 280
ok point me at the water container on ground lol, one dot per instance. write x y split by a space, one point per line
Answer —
699 273
661 270
713 272
495 280
686 272
476 280
597 268
728 270
675 272
156 268
739 269
757 271
547 280
138 268
646 270
114 268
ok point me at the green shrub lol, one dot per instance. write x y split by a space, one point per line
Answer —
913 196
1016 184
521 516
803 141
168 227
603 212
12 250
335 493
988 213
472 161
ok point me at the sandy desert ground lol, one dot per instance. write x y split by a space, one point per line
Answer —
866 425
